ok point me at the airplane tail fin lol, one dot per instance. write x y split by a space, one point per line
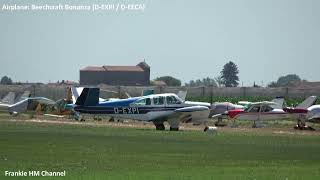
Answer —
147 92
279 103
307 103
24 95
9 98
182 95
88 97
76 91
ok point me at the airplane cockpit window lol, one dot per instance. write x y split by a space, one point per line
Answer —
142 102
172 100
148 101
158 100
255 109
266 109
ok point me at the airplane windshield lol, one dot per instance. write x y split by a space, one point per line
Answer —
247 107
143 102
266 109
255 109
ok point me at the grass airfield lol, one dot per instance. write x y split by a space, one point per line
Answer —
98 150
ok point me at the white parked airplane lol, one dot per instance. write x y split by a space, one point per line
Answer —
268 110
219 110
307 113
156 108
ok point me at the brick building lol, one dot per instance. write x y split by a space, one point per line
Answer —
138 75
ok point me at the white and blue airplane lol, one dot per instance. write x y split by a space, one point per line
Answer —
156 108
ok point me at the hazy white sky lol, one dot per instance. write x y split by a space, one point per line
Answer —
185 39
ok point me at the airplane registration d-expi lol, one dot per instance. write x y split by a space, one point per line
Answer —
156 108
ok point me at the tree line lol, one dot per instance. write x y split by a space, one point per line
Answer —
228 77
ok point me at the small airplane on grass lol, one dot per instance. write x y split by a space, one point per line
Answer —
156 108
268 110
307 112
219 110
30 105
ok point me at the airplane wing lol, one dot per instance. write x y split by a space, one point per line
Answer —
264 103
188 114
54 115
244 103
221 115
316 116
23 105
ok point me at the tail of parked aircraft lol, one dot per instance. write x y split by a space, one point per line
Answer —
182 95
307 103
279 103
24 95
76 91
88 97
9 98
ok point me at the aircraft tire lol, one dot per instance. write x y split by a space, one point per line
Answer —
160 127
174 128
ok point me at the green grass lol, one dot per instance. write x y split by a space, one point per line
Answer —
87 152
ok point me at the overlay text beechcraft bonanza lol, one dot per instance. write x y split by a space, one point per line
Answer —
156 108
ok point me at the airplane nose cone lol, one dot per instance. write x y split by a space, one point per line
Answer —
234 113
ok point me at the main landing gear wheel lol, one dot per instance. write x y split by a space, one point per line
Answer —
160 127
174 128
299 127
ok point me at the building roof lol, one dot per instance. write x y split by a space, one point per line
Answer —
123 68
93 68
114 68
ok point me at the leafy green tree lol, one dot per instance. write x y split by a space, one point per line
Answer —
286 80
229 74
169 80
6 80
202 82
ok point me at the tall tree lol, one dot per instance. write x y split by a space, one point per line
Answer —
229 74
169 80
286 80
6 80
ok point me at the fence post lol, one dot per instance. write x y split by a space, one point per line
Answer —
211 94
287 92
119 91
244 91
203 91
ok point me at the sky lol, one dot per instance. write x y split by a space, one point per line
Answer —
184 39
